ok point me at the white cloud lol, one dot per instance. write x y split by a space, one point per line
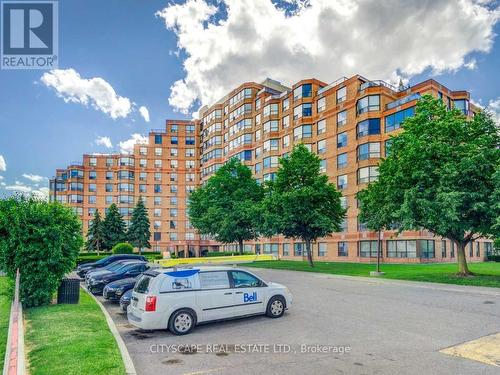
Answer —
325 39
34 177
42 193
3 164
104 141
494 107
128 145
144 113
95 92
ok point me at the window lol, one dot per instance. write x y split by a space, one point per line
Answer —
92 188
452 249
304 131
462 105
341 94
271 126
286 141
126 175
92 199
270 109
343 202
342 182
322 165
157 201
157 188
393 122
214 280
174 163
174 141
142 188
342 140
189 152
321 105
270 248
427 249
269 162
322 249
109 162
368 127
369 150
342 118
158 163
298 248
304 91
143 151
488 248
285 122
367 174
443 249
322 146
362 227
471 249
93 162
387 146
402 249
158 139
367 249
157 236
368 103
342 160
321 125
271 145
142 163
307 109
109 199
286 249
109 175
342 249
286 104
190 141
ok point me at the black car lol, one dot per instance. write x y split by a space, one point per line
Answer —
97 281
125 300
82 269
110 267
114 290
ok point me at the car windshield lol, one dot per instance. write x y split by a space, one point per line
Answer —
125 268
102 261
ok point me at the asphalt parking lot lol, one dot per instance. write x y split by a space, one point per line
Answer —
363 326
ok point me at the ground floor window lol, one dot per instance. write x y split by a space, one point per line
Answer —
471 249
452 249
427 249
298 249
322 249
367 249
248 248
402 249
443 249
478 249
488 248
343 249
257 248
270 248
286 249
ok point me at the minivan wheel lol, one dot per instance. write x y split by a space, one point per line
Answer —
182 322
276 307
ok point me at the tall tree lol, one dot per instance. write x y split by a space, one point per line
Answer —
138 232
114 227
226 206
439 177
95 234
301 203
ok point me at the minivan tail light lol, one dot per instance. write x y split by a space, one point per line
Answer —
150 303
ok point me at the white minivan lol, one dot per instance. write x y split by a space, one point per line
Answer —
181 299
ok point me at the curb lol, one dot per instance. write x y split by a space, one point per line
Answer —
127 360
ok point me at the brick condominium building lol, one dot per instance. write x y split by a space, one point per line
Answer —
347 123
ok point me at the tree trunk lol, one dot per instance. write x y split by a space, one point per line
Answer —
463 269
309 253
379 250
240 245
140 250
98 247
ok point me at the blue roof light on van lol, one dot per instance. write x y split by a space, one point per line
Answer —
183 273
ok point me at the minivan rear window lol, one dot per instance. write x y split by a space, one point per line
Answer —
143 284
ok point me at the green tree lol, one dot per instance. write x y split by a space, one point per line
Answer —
439 177
114 227
138 232
42 240
301 203
226 206
95 234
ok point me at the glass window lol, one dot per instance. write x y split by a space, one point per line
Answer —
402 249
342 140
342 182
462 105
341 94
367 174
322 249
304 91
368 249
368 103
342 249
322 165
369 150
342 118
307 109
342 160
286 249
321 105
158 139
393 122
322 146
443 249
298 248
368 127
214 280
427 249
387 146
286 141
321 125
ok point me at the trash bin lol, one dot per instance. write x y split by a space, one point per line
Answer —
69 291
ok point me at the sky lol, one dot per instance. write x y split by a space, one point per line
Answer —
125 66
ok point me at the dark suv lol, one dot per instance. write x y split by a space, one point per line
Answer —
82 269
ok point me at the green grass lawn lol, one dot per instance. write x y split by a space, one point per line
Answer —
71 339
486 274
4 316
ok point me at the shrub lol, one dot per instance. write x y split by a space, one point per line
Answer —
123 248
494 258
42 239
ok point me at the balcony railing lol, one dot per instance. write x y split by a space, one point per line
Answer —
402 101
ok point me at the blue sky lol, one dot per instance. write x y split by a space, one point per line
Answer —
202 50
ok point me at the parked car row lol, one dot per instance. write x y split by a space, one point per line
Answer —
113 276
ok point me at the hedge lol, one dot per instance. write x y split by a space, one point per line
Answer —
494 258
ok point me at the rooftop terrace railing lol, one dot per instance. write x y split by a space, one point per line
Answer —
333 84
402 101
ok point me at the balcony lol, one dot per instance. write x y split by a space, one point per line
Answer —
402 101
